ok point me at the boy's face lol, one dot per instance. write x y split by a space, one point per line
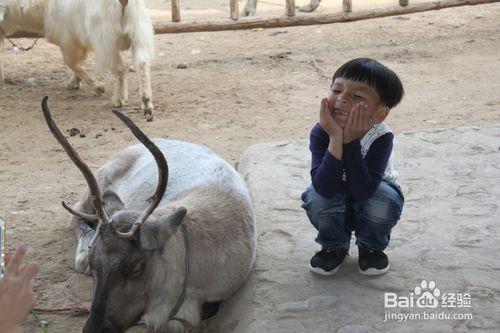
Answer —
347 94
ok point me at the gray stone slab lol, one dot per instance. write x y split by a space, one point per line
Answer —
449 234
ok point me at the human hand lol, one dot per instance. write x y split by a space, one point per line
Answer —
327 122
358 123
16 294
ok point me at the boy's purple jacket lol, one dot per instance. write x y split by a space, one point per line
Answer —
363 175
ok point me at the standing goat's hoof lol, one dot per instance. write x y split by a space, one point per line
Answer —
147 108
118 103
307 8
247 12
74 83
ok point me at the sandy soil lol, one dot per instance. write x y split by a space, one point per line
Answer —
239 88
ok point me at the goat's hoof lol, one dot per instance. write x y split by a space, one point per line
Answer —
73 85
307 8
148 112
247 12
147 108
99 90
118 103
149 115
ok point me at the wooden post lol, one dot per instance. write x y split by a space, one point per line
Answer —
233 5
290 8
347 6
404 3
176 13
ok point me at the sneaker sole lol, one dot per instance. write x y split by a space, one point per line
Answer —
319 271
374 271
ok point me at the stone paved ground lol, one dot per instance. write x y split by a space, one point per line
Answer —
449 233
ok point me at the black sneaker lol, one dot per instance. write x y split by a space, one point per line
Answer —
372 262
327 261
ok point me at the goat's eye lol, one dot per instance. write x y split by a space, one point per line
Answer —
137 271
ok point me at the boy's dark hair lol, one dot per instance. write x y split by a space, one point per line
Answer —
370 71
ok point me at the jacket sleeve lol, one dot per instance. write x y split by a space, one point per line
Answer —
326 170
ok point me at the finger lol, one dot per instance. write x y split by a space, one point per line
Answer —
350 119
6 258
15 260
368 119
28 272
356 117
329 105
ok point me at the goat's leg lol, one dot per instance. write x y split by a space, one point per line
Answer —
143 70
250 8
73 57
74 83
120 95
190 311
311 7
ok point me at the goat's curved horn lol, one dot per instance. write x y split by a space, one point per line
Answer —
95 192
90 217
162 174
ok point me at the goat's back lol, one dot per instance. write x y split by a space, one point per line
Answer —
133 173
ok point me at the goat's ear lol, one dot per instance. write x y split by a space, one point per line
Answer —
112 202
154 235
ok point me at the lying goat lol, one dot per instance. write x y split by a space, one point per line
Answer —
106 27
162 265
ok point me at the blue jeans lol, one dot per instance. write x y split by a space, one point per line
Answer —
371 220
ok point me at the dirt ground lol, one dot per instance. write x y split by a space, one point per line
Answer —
239 88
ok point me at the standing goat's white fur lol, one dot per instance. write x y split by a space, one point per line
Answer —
105 27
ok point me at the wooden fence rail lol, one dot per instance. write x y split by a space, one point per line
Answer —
290 20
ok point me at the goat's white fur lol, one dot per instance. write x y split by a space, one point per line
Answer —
105 27
219 222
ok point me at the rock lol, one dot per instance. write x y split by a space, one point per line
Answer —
73 131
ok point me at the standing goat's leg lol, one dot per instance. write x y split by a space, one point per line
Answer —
311 7
143 70
250 8
120 95
73 57
74 83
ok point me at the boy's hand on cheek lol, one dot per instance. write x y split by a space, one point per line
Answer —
358 123
327 122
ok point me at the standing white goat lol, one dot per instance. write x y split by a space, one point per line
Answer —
164 265
105 27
